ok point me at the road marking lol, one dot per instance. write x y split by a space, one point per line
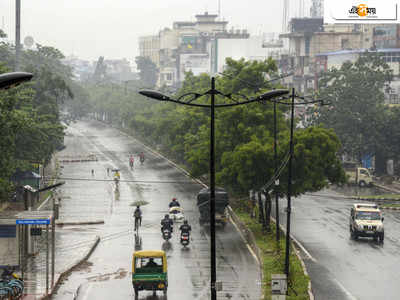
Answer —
297 242
348 294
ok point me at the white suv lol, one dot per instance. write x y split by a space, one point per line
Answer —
366 221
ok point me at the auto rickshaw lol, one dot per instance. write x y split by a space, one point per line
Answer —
149 271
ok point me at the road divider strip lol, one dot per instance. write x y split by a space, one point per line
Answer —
70 223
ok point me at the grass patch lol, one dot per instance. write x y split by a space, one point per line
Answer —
387 196
273 256
390 205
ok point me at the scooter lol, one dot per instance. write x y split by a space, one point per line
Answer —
166 234
185 238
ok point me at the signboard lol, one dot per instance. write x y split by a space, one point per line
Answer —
361 11
33 222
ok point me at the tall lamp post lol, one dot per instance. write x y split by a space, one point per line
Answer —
237 99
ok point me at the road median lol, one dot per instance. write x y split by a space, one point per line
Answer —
271 256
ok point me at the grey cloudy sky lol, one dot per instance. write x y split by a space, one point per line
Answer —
91 28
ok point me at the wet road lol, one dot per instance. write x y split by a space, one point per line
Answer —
107 273
342 268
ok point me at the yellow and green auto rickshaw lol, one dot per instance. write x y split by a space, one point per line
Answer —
149 271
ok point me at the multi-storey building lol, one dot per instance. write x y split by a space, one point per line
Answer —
188 46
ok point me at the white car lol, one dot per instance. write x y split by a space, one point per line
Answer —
176 214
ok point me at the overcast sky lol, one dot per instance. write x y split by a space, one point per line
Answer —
110 28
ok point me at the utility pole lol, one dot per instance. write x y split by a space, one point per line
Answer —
17 33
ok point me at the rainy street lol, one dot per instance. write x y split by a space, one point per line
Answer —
339 267
88 196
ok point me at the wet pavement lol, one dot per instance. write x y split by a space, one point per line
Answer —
88 197
341 268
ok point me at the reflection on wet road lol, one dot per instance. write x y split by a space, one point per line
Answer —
107 275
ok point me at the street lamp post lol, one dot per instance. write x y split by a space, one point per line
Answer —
277 180
193 96
289 192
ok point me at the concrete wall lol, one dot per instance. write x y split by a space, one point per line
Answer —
250 49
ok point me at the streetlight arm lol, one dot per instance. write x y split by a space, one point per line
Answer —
161 97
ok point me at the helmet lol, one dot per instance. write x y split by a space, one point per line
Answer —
137 206
185 222
174 199
166 216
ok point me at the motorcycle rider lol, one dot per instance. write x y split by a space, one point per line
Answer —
131 161
174 203
141 157
185 227
166 223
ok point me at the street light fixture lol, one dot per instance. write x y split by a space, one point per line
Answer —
9 80
236 101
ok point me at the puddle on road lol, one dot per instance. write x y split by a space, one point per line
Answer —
119 274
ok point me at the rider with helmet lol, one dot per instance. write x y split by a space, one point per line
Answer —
174 203
185 227
167 223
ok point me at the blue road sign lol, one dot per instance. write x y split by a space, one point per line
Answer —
33 222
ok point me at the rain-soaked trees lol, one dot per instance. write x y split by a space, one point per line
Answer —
29 114
356 111
244 134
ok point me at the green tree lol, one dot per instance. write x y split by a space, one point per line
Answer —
148 71
355 94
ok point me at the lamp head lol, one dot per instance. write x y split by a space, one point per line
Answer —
154 95
273 93
9 80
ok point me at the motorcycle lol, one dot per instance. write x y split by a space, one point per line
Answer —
141 160
166 234
185 238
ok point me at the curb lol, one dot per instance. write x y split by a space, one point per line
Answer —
387 188
62 223
65 274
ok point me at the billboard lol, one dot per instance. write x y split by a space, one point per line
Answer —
361 11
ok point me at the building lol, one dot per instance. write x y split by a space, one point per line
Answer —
187 46
309 38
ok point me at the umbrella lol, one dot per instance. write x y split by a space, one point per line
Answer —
139 203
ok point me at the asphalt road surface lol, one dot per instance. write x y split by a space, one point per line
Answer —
88 196
342 268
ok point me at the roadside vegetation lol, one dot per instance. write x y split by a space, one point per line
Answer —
273 256
30 124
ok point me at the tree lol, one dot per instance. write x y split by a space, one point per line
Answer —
355 94
148 71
